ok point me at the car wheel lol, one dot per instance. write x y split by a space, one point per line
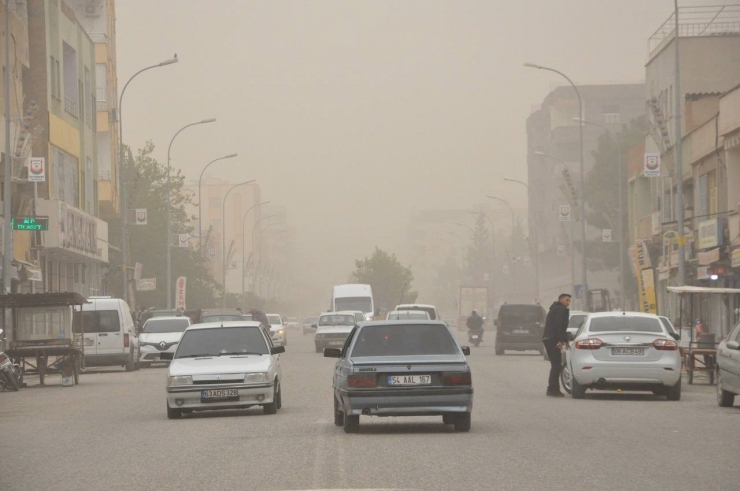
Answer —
499 351
448 419
280 396
579 391
566 379
338 415
674 393
462 422
173 413
351 423
130 362
724 398
271 408
659 391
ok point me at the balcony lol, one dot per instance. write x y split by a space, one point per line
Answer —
71 107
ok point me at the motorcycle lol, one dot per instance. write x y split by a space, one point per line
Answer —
10 373
475 337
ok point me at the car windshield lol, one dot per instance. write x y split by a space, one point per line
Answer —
337 320
274 319
95 321
165 325
363 304
575 320
404 340
408 315
625 323
221 341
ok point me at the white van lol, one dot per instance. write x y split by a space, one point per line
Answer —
110 334
354 297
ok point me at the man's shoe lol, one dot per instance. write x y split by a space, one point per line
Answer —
554 394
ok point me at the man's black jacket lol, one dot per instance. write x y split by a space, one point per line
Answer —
556 324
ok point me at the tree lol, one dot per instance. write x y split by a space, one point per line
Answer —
389 279
148 243
478 257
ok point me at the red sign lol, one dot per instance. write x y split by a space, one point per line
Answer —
180 288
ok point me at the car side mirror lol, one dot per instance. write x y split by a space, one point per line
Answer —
276 350
571 336
166 356
332 352
733 345
466 350
675 335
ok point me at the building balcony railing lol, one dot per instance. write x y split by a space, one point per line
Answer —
71 107
697 21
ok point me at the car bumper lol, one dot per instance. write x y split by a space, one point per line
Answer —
150 354
189 397
408 402
329 343
634 376
534 345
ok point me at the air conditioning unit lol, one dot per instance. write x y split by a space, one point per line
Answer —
92 8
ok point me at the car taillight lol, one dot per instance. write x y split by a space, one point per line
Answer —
665 344
362 381
457 378
125 340
590 343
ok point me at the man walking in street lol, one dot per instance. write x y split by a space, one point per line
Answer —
554 339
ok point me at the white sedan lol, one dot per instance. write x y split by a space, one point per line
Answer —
623 351
224 365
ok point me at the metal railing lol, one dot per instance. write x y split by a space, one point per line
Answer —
71 107
714 20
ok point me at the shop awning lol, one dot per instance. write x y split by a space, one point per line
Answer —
27 300
701 289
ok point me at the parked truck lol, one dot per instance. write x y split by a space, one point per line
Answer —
471 298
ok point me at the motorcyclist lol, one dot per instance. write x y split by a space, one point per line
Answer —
475 323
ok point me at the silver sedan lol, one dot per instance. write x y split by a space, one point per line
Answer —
402 368
623 351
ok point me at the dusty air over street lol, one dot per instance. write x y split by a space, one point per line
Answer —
381 246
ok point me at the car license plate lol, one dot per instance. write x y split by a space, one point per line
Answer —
409 380
218 393
336 343
628 351
474 336
520 331
89 342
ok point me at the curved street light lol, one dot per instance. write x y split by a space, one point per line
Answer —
169 213
200 203
223 235
122 178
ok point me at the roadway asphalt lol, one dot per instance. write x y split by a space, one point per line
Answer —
111 433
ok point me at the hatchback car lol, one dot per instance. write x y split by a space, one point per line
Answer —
224 365
728 368
160 335
402 368
623 351
520 327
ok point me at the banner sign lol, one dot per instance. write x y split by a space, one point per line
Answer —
648 282
137 271
709 233
180 291
146 284
709 257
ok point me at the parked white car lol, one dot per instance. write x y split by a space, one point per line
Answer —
278 332
160 335
628 351
109 333
224 365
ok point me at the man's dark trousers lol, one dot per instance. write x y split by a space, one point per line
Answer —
556 364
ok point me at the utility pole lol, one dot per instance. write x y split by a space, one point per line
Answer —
678 154
7 185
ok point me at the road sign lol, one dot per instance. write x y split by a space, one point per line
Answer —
37 169
183 240
651 166
146 284
141 217
606 235
33 224
564 213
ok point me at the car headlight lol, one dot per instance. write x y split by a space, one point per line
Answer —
255 377
280 331
180 380
368 317
319 336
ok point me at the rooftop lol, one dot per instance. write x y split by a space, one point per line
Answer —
710 20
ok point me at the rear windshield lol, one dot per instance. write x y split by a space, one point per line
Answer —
274 319
667 324
94 321
404 340
428 310
363 304
221 317
625 323
337 320
407 315
222 341
521 314
165 325
575 320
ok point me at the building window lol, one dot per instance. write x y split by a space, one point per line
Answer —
101 82
54 78
70 79
65 184
88 98
611 118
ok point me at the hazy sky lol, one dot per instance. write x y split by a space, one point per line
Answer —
354 114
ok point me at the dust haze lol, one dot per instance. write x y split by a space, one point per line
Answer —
356 114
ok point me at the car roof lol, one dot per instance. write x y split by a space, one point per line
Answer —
409 311
167 318
347 312
420 305
621 313
402 323
579 312
217 325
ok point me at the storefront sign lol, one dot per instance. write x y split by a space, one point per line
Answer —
709 257
146 284
78 231
648 280
736 257
710 233
702 273
180 290
640 262
33 224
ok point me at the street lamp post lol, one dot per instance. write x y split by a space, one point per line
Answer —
122 178
251 252
200 203
223 235
535 239
169 212
620 178
582 191
244 245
